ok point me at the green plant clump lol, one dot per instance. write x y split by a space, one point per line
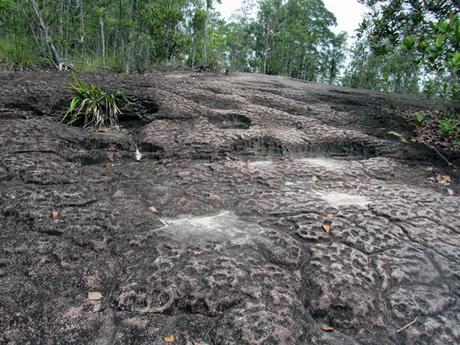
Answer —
448 126
419 119
93 106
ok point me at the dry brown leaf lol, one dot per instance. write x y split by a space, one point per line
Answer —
153 209
327 328
169 339
445 180
107 166
54 214
327 227
94 296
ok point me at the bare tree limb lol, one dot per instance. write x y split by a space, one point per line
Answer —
48 39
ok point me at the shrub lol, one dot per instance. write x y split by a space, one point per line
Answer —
93 106
448 126
419 119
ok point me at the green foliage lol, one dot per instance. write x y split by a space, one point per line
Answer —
20 52
93 106
394 71
419 119
294 38
448 126
288 37
409 42
430 89
409 39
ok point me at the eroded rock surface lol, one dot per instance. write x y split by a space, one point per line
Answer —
216 236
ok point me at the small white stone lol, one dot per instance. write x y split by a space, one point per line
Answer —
94 296
138 155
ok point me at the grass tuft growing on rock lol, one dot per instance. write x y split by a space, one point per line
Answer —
92 106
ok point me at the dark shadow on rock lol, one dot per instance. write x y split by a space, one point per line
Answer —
270 146
231 120
139 112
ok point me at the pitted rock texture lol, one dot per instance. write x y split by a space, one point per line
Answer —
216 235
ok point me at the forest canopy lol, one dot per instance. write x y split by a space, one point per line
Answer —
404 46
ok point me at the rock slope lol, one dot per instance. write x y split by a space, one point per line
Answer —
264 211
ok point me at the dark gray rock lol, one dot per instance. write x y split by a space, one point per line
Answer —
216 235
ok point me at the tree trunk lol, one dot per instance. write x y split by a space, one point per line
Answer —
101 23
46 33
205 54
82 23
31 28
266 50
61 20
193 50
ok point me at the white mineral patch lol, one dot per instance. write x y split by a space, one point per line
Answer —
264 165
223 226
343 199
327 163
204 222
332 164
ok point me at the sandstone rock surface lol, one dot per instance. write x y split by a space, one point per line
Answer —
216 235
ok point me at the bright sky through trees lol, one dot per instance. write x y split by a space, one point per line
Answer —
349 13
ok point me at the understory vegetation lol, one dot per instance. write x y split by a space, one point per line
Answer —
93 107
292 38
408 46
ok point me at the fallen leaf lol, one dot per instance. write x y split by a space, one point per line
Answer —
153 209
445 179
399 136
315 178
107 166
327 328
94 296
327 227
169 339
54 214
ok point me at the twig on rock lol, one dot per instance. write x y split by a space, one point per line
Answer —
441 155
407 326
